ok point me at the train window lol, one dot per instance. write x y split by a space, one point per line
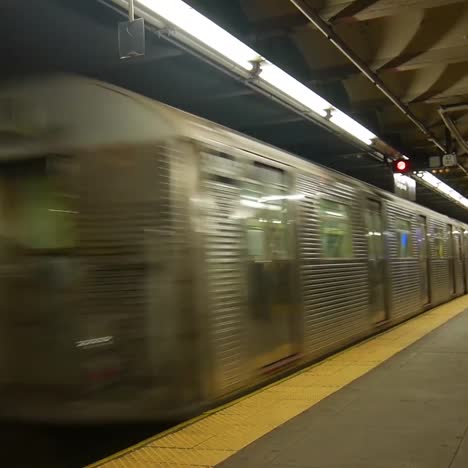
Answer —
35 214
438 239
335 230
403 230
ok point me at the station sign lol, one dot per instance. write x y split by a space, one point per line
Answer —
449 160
405 187
434 162
438 162
132 38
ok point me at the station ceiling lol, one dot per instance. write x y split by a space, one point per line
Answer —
417 48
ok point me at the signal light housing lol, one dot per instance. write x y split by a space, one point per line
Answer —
401 166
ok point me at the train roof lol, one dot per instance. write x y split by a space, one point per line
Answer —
68 112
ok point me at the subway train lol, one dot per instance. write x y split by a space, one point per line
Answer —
154 264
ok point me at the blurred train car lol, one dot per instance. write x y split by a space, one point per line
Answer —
153 263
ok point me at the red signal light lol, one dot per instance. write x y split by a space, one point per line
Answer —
401 166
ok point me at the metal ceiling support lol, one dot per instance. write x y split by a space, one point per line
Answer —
330 34
450 124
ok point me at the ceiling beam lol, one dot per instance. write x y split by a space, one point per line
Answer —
376 9
423 58
351 9
341 45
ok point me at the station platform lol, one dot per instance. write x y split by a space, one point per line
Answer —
397 400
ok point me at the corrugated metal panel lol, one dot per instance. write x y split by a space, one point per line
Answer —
334 293
225 273
405 296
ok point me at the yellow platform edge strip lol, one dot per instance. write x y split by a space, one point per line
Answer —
213 436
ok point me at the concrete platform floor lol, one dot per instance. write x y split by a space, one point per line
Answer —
393 400
409 412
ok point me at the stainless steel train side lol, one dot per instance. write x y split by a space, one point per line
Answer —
198 263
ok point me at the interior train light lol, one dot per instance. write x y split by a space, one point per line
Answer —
203 29
354 128
282 197
294 89
256 204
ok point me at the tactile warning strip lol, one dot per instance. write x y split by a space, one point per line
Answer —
207 441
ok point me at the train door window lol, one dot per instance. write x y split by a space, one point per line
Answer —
438 239
403 231
335 229
256 243
264 196
457 245
452 255
374 230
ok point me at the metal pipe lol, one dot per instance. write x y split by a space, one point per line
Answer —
131 10
328 32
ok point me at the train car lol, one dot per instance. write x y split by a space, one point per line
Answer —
154 264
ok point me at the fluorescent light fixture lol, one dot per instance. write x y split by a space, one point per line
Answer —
192 22
282 197
340 119
442 187
278 78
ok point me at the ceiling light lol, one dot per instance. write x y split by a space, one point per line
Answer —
204 30
442 187
186 20
293 88
282 197
348 124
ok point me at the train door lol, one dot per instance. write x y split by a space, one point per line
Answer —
424 259
465 257
376 261
451 258
458 259
266 196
